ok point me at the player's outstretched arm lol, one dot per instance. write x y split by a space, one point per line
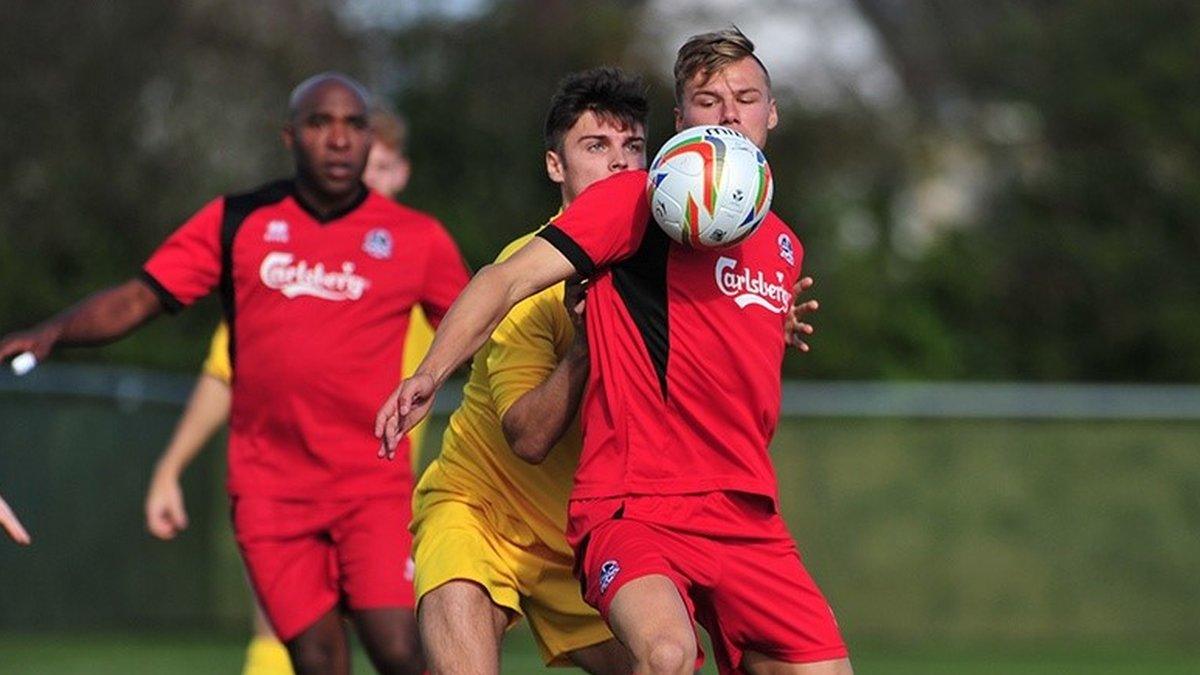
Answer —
540 417
492 292
206 411
797 329
101 317
9 521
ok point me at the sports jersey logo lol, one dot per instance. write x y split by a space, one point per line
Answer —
751 288
410 569
785 249
277 231
278 272
608 572
378 244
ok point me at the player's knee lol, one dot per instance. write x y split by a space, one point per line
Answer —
312 656
398 656
668 655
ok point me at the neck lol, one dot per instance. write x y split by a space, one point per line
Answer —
321 202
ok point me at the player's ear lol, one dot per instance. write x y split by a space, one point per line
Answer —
555 168
773 116
678 120
288 134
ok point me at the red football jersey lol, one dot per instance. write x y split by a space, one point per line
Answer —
317 311
686 348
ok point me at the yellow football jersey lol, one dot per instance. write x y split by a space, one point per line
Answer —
416 343
476 464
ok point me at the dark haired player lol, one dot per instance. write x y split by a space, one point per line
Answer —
318 276
488 524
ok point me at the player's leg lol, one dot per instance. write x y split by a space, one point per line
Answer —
461 629
650 617
389 635
373 543
321 649
466 590
638 575
292 567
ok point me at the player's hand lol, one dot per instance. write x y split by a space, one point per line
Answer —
796 330
40 341
8 519
165 514
575 299
402 411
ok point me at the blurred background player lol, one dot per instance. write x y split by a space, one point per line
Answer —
490 513
8 520
388 170
318 275
674 513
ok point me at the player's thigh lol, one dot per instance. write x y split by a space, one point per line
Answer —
289 560
756 663
391 639
373 547
461 629
652 616
457 541
629 572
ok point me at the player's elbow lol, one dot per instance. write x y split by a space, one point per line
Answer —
523 443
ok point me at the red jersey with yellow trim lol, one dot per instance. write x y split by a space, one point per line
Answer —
686 348
318 310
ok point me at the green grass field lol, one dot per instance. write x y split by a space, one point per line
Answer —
111 653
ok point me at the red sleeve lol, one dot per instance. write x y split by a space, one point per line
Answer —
445 275
188 264
604 225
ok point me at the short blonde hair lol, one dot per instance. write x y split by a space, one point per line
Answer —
389 129
709 52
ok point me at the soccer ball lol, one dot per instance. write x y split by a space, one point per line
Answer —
709 187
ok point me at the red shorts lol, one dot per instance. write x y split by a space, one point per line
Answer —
732 559
304 558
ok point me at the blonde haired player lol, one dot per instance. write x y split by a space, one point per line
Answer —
387 172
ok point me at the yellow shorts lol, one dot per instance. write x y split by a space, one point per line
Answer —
455 539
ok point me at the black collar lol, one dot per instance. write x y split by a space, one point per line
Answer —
363 193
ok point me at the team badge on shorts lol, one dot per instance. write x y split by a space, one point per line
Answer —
378 244
608 572
785 250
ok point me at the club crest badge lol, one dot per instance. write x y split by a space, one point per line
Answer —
608 572
276 232
786 251
378 244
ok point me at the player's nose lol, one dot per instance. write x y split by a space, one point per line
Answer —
618 161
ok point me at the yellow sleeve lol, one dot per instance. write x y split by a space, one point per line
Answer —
524 348
217 364
416 344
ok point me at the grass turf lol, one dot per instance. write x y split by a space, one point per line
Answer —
188 654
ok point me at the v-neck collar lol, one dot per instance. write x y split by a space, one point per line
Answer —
333 215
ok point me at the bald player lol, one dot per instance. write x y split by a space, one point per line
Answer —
318 276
